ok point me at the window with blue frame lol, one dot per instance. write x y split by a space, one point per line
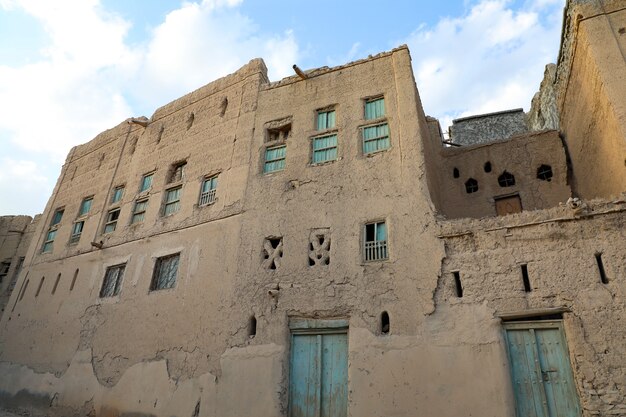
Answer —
374 108
207 191
375 137
117 194
375 242
146 182
275 159
85 206
324 149
326 119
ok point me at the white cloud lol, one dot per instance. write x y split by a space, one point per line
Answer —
488 60
22 185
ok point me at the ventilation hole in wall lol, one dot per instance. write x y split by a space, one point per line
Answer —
603 278
40 285
223 106
74 279
311 262
24 289
506 179
456 173
56 283
487 166
252 327
457 284
160 134
525 279
190 120
544 173
621 31
196 411
471 186
384 323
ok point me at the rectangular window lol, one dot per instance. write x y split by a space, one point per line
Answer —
118 192
112 282
375 242
177 172
111 222
56 219
85 206
165 271
325 119
375 138
77 230
275 159
172 200
47 244
146 182
374 108
324 149
207 192
4 269
139 211
52 231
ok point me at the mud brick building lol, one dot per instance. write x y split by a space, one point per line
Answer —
314 247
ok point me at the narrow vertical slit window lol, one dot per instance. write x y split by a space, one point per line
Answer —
252 327
74 279
39 287
458 286
384 323
603 278
525 278
56 283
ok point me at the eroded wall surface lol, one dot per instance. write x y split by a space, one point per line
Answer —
485 128
16 233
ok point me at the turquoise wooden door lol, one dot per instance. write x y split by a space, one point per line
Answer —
540 370
319 373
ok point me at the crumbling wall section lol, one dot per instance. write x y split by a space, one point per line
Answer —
16 233
486 128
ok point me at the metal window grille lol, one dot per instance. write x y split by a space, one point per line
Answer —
207 194
275 159
374 108
324 149
112 281
471 186
172 201
77 230
506 179
139 211
376 138
326 120
544 172
165 272
146 182
375 245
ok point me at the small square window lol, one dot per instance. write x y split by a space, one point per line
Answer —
172 200
112 282
146 182
165 272
77 230
139 211
376 138
324 149
177 172
374 108
375 242
111 223
275 159
85 206
207 191
118 192
325 119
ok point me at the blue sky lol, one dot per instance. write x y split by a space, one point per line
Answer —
70 69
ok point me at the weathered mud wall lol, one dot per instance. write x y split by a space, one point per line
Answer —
16 233
485 128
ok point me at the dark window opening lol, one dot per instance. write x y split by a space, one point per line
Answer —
165 272
384 323
603 278
112 282
487 166
223 106
457 284
456 173
252 327
177 172
525 278
40 285
279 133
56 283
555 316
74 279
471 186
506 179
544 173
190 120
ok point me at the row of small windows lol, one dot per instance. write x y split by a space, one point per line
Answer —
171 205
324 147
506 179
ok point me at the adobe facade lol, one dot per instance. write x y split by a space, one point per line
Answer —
311 247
